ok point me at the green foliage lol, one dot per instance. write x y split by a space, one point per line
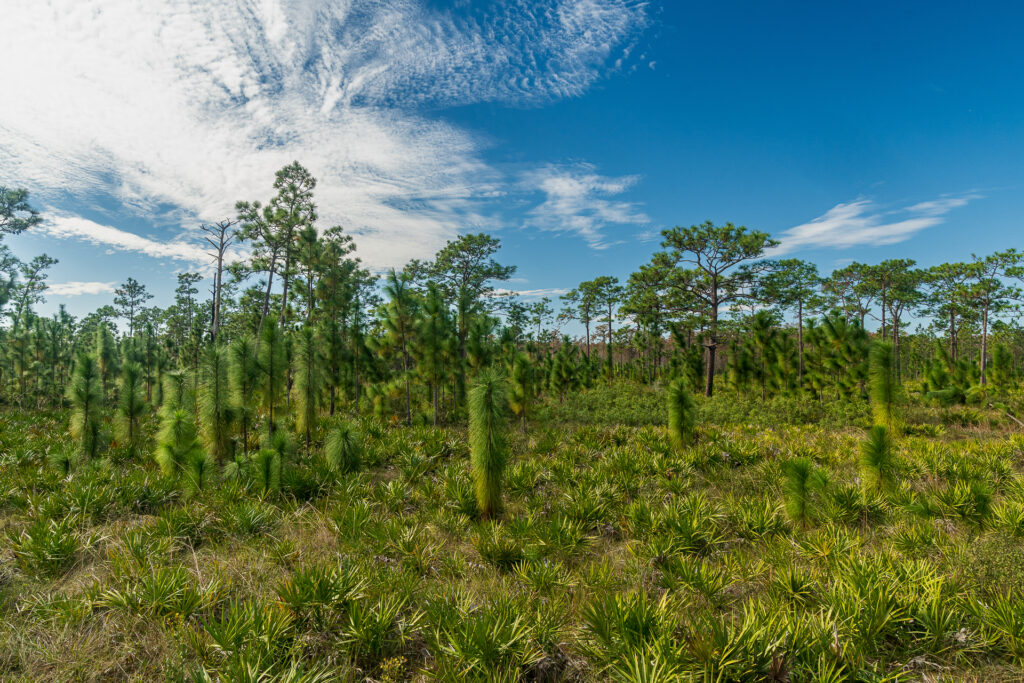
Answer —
343 449
46 545
800 481
884 389
216 412
131 406
86 397
877 461
488 440
309 383
272 365
178 446
682 413
244 378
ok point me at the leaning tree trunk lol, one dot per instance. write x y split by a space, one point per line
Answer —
984 344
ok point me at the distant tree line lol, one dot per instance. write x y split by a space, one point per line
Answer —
302 325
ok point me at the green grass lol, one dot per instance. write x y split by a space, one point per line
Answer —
617 555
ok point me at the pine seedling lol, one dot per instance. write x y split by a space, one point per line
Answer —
272 363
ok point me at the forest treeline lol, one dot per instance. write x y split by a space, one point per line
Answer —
299 327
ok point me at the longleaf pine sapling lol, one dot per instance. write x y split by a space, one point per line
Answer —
885 390
177 443
343 449
86 396
131 406
682 413
488 440
244 378
877 461
216 412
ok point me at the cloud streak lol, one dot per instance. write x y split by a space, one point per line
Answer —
176 109
76 288
579 200
531 293
863 223
74 227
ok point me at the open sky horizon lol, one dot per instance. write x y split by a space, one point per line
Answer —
575 131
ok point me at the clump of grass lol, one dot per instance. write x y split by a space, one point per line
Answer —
320 593
46 546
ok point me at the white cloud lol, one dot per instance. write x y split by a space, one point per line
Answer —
178 108
550 292
577 201
863 223
75 288
73 227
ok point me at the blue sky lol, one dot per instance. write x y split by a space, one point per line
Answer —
575 131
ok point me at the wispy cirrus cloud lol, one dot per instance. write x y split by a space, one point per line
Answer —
76 288
863 223
579 200
176 109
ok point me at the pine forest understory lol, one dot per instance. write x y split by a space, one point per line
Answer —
725 467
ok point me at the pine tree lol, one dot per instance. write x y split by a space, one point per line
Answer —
398 318
244 377
272 365
522 387
200 471
106 357
309 381
435 344
1001 372
216 412
488 440
682 413
131 405
86 397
